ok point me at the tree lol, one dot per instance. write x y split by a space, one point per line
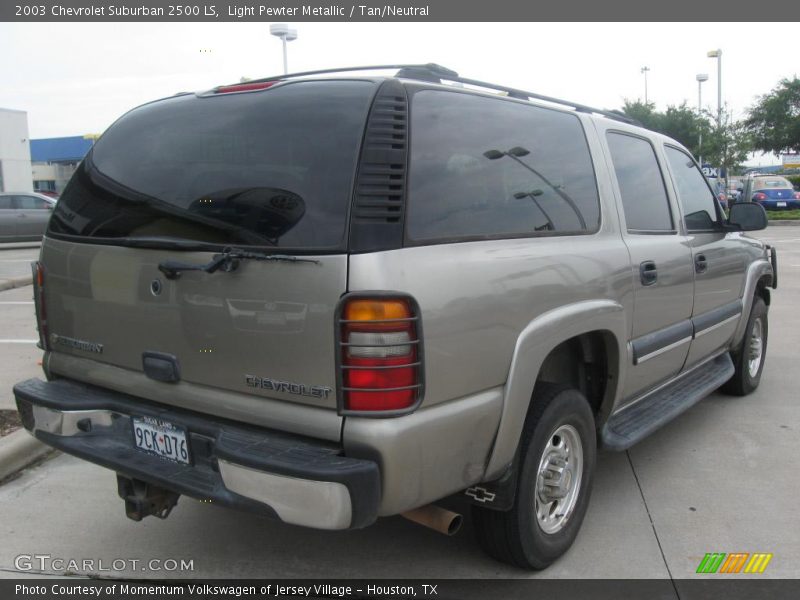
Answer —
727 145
774 121
678 122
644 113
684 125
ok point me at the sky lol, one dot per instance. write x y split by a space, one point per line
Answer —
77 78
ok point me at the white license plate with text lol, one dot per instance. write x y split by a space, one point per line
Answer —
160 438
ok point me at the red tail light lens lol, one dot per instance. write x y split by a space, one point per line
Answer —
380 354
244 87
39 304
759 197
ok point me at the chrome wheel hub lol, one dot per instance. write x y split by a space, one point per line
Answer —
755 347
558 479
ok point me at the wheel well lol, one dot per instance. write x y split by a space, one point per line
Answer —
589 362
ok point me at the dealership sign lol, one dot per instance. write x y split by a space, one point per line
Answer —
791 161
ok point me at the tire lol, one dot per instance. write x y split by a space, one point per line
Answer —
746 379
518 536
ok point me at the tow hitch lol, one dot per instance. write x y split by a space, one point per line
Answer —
143 499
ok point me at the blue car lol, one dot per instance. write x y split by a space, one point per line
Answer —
772 192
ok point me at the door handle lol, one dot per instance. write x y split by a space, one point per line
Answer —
648 274
700 263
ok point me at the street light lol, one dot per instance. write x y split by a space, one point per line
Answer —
286 34
701 77
718 55
644 71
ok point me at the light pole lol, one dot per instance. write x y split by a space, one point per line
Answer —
701 77
644 71
718 55
286 34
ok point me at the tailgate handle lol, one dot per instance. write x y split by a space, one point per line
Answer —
161 367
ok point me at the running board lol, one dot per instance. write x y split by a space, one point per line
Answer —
631 424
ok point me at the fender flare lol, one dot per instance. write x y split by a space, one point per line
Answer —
534 344
755 272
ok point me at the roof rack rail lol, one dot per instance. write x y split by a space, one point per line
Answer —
438 74
430 69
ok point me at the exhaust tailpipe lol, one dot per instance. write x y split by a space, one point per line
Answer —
436 518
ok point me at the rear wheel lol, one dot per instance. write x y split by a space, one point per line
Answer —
557 459
749 359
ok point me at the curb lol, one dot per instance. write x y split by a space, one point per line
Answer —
15 282
785 222
18 450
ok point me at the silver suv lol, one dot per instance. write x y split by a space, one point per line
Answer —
327 300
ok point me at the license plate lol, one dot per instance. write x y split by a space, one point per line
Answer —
161 438
781 204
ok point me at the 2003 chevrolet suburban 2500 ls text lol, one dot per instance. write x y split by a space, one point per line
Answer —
330 299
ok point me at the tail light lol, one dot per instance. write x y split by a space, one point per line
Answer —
39 304
380 354
797 195
759 197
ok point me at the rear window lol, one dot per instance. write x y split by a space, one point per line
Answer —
490 168
765 184
268 168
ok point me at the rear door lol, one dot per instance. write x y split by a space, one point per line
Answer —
660 262
32 214
180 180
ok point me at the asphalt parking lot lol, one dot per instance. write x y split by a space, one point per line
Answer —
723 477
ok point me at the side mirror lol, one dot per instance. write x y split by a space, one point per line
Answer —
748 216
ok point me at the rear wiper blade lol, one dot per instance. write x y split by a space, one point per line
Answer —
227 261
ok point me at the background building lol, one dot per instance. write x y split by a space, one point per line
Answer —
15 155
54 160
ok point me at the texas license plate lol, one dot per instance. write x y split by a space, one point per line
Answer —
781 204
161 438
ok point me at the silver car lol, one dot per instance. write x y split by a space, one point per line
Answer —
24 216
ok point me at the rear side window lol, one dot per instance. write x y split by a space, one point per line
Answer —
488 168
268 168
644 197
697 201
5 201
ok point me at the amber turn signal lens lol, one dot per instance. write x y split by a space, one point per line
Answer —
376 310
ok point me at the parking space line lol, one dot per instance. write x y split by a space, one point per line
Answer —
18 341
16 302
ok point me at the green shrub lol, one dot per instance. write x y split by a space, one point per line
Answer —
783 215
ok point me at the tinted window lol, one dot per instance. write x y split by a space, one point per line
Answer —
268 168
697 201
30 202
5 201
644 197
482 167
